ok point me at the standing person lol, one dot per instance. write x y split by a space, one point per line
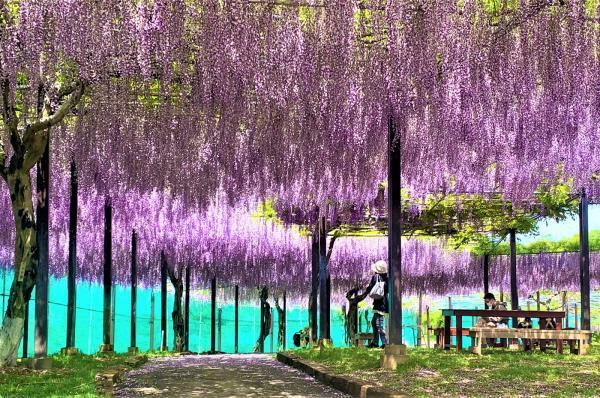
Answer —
378 291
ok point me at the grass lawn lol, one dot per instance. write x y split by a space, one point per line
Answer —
498 373
71 376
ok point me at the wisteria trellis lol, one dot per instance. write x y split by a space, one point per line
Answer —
187 101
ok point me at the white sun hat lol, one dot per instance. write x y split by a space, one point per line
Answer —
380 267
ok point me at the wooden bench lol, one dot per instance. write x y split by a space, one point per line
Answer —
361 339
440 335
581 338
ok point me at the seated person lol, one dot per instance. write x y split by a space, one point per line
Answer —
492 321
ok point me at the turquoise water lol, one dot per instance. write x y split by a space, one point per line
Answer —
89 319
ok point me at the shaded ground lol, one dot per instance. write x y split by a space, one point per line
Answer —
221 376
498 373
70 376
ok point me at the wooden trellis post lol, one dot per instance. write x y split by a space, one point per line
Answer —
314 291
133 349
395 351
213 310
40 345
107 276
187 308
324 331
584 261
163 301
72 287
236 320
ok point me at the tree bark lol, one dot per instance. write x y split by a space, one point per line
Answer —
177 314
26 262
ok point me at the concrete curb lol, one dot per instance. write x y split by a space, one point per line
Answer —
345 384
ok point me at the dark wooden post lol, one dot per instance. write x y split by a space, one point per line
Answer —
314 291
284 319
486 275
106 346
133 346
584 262
514 290
187 308
236 321
26 330
213 313
41 286
323 314
395 351
163 301
72 293
328 306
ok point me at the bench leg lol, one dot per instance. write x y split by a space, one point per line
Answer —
572 348
477 346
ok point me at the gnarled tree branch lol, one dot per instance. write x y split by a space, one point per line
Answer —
74 93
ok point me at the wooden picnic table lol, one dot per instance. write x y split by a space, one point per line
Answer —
514 314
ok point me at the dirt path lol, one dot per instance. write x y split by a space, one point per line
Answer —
221 376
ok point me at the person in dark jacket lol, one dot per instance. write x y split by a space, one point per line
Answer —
380 304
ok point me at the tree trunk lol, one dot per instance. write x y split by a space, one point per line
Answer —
26 262
177 314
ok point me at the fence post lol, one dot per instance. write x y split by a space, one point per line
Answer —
271 327
151 348
428 326
113 316
419 319
220 313
284 319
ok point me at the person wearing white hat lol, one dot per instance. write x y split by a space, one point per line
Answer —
378 291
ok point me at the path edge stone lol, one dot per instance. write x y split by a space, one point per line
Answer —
346 384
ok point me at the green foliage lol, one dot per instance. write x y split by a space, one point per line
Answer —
266 210
486 245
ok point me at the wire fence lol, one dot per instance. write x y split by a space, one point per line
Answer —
89 320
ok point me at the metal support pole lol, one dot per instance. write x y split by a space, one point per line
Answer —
584 262
72 287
